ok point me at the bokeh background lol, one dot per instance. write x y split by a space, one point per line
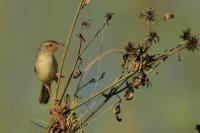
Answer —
171 105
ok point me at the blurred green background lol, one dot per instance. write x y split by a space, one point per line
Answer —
171 105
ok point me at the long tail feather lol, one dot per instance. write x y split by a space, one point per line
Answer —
44 95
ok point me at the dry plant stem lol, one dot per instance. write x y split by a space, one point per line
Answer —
104 90
70 77
79 87
99 64
170 53
98 68
87 68
95 111
95 36
160 58
102 104
67 44
64 56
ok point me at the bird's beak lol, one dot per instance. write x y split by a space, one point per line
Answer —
60 45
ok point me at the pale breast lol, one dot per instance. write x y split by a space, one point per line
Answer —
45 68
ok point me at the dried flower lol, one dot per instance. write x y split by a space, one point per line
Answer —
192 43
148 15
85 24
129 48
186 34
152 37
108 17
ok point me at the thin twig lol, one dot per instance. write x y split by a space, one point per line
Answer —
94 37
98 68
33 121
182 47
104 90
73 70
64 56
99 58
68 43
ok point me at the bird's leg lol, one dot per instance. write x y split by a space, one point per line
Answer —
48 88
59 75
52 98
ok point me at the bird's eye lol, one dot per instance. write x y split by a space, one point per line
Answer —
50 45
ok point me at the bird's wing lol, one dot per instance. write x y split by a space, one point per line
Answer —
35 70
55 66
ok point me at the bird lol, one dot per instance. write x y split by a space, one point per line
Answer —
46 68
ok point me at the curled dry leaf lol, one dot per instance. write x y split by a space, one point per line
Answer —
117 111
129 94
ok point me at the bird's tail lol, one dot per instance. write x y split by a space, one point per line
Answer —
44 95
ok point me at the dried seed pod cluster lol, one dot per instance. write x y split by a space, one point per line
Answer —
191 40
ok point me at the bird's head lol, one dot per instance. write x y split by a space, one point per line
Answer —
50 46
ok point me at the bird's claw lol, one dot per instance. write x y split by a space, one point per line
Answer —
55 100
59 75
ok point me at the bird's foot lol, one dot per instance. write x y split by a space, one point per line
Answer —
60 75
54 99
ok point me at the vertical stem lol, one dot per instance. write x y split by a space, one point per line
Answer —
68 43
64 56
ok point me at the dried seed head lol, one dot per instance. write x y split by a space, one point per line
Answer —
186 34
152 37
192 44
108 17
85 3
192 41
148 15
168 16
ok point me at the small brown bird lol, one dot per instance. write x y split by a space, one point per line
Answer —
46 68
